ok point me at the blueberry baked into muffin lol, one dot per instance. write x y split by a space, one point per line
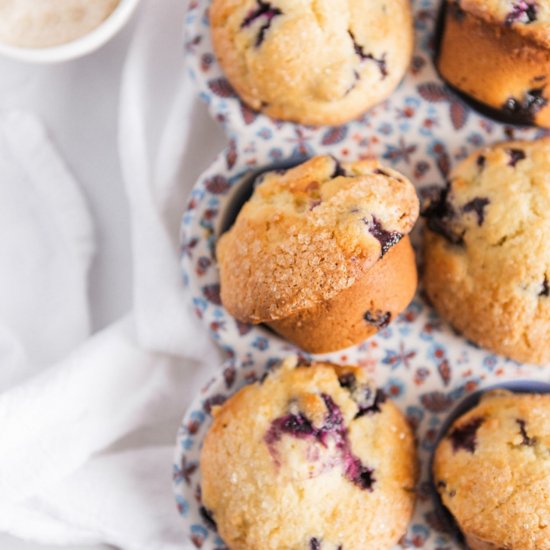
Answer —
492 471
315 63
487 249
311 458
320 253
498 53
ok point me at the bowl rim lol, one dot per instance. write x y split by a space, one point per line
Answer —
79 47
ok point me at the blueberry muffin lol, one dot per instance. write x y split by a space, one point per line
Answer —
487 249
32 24
492 470
314 457
498 53
320 253
312 62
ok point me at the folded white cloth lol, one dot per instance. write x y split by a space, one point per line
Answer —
46 245
59 419
65 399
126 504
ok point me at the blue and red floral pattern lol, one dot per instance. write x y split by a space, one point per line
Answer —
422 130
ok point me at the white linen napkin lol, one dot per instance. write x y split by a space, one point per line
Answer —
46 245
65 400
135 515
50 489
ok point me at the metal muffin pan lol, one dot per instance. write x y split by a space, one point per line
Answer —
421 130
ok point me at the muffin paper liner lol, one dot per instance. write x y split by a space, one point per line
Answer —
422 130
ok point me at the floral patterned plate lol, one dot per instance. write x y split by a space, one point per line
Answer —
421 131
420 380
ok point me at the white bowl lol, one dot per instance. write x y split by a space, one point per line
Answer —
79 47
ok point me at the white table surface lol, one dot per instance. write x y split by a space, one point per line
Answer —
78 102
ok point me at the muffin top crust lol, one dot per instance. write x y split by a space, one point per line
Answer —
492 470
487 249
317 62
496 212
312 457
530 18
307 233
